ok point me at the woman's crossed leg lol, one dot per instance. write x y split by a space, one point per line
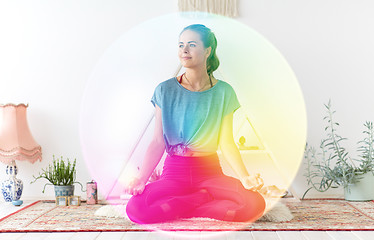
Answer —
164 200
231 201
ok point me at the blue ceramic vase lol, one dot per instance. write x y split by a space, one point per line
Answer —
12 187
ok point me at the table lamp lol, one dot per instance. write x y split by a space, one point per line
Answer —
16 143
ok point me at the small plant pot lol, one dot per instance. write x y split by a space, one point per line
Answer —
362 190
64 190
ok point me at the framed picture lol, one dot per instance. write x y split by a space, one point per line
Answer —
74 200
62 201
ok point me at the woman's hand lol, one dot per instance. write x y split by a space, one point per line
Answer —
155 175
253 182
135 186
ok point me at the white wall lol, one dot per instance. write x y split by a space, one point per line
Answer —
48 50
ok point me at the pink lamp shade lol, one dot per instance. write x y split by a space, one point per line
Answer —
16 141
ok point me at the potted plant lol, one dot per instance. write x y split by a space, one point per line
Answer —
60 174
333 167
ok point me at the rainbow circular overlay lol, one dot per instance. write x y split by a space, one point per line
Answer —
116 119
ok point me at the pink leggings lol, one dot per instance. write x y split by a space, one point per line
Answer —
195 187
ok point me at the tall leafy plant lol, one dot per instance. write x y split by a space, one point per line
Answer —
60 173
367 148
333 167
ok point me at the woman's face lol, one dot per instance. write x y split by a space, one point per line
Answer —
191 50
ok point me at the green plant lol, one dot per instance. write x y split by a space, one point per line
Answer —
335 168
59 173
367 148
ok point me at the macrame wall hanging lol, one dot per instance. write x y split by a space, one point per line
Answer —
226 8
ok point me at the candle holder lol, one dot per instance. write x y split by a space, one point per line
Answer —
74 200
62 201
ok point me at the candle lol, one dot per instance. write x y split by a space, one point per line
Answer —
62 201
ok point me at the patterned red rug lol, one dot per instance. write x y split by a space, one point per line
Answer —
311 214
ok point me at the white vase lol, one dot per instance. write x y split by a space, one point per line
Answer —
362 190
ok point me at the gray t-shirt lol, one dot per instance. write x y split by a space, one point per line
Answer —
193 119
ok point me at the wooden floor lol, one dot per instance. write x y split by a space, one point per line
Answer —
7 208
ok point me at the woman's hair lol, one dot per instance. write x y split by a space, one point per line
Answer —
209 40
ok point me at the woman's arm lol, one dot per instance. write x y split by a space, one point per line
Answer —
229 149
152 157
231 153
155 149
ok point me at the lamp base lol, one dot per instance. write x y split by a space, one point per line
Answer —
17 203
12 187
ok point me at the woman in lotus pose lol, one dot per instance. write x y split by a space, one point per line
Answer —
194 114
